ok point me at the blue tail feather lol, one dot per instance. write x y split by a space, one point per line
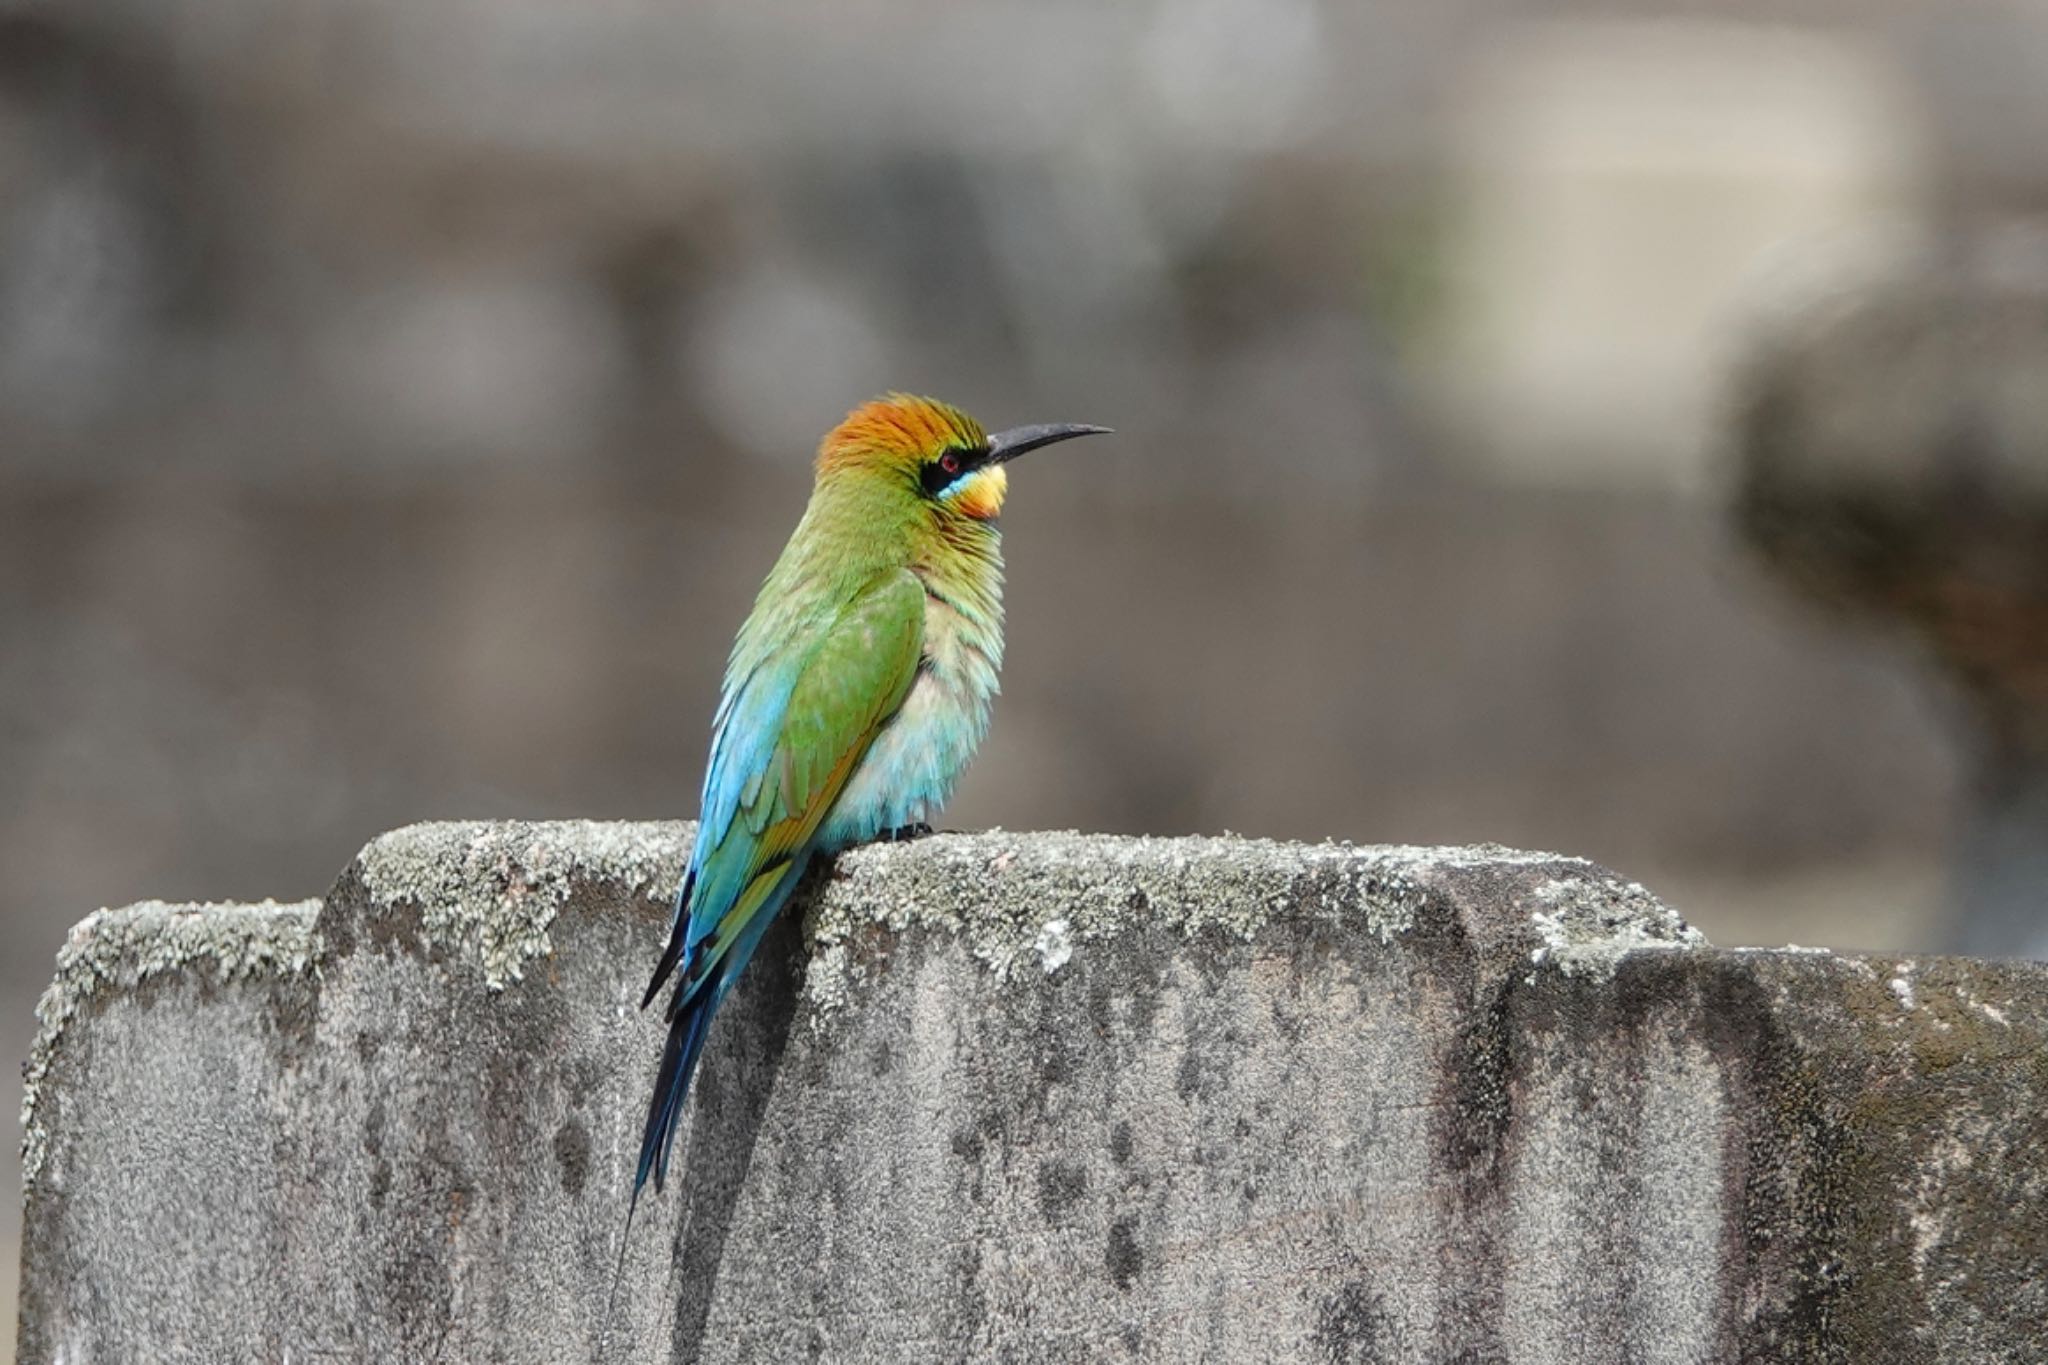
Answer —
686 1035
678 940
696 1000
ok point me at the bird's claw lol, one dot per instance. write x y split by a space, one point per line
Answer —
903 834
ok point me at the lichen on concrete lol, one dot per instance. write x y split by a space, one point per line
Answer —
1901 986
1038 899
1055 944
119 948
1595 922
493 888
1362 1107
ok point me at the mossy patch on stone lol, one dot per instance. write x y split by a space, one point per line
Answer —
125 947
493 888
1037 899
1592 923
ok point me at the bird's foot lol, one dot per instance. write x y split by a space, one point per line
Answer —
903 834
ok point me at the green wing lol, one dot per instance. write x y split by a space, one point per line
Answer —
848 684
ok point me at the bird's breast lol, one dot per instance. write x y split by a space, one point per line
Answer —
910 769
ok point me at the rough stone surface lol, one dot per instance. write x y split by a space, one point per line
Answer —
1030 1098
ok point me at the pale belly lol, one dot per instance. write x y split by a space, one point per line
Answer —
911 768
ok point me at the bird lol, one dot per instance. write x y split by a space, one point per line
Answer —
855 694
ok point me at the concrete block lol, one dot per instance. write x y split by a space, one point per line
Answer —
1028 1097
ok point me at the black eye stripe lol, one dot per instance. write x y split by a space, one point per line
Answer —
950 466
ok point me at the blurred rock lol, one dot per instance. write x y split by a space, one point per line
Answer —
1893 459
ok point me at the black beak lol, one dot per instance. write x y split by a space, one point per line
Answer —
1008 445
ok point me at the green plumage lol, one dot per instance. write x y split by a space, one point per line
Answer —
855 694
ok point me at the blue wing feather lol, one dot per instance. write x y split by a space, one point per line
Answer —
770 784
743 739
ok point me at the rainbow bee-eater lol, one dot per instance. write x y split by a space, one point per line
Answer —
855 694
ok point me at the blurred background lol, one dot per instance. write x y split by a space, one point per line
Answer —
399 405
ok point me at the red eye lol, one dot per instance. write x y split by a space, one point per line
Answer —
950 462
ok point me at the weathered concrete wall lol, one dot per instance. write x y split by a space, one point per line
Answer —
1029 1097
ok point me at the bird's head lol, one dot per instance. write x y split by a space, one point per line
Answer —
934 451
